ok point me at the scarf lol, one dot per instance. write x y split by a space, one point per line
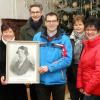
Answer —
78 46
36 25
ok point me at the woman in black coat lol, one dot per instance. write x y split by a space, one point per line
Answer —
8 91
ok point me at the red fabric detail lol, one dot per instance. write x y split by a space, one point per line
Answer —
64 51
50 38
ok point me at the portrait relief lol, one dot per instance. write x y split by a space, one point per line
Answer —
22 62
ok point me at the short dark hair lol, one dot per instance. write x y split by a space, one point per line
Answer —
36 4
25 49
51 14
93 21
5 27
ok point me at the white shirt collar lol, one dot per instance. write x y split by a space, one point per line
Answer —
51 34
5 42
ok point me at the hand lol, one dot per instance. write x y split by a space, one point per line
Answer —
87 94
43 69
81 90
3 80
27 85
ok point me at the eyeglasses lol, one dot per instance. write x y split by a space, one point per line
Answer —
51 21
90 30
37 12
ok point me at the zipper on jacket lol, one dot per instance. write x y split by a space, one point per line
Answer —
62 73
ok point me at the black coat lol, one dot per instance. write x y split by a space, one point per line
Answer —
2 58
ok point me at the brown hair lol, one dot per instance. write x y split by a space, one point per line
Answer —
5 27
36 4
25 49
51 14
79 18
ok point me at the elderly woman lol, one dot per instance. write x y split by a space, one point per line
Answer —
88 77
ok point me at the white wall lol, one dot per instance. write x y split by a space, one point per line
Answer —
22 11
6 10
13 9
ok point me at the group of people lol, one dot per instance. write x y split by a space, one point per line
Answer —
84 69
74 60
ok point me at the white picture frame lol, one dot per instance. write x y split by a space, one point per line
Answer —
24 69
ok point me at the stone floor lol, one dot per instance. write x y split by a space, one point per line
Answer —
67 96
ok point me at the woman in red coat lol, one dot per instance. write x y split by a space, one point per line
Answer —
88 77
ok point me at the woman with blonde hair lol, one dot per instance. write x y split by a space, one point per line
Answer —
76 37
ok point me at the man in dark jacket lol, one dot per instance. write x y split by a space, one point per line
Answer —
32 26
34 23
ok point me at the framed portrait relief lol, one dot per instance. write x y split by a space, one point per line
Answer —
22 62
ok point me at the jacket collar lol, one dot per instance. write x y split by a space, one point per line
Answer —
28 24
92 43
29 28
57 36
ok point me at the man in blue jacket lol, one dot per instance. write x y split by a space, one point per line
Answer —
55 57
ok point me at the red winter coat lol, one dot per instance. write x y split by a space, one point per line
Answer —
88 76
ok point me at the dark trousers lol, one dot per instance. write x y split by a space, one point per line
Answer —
4 93
92 97
44 92
71 81
18 92
33 93
13 92
74 93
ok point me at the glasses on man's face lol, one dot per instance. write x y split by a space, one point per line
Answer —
35 12
51 21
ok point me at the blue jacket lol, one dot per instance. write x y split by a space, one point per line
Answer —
51 56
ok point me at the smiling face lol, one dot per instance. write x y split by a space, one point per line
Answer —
8 34
51 23
35 13
79 27
91 32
